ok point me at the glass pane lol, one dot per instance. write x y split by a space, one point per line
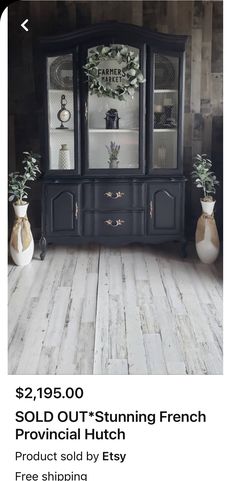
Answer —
60 112
113 127
165 121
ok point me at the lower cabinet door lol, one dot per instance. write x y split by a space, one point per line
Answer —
165 208
62 210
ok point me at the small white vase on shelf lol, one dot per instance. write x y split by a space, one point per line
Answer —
64 157
21 242
207 239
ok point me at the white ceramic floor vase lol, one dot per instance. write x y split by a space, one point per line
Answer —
64 157
207 239
21 242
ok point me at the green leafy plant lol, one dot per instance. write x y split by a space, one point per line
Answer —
203 177
18 188
113 150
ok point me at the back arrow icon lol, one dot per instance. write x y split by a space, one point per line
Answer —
23 25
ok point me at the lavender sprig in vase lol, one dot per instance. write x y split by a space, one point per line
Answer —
113 151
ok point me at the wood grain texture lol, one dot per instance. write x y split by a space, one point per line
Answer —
134 310
202 21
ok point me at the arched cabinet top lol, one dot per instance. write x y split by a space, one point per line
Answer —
115 31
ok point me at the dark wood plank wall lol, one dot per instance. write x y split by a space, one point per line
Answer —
202 21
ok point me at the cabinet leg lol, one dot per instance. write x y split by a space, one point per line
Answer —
43 247
183 248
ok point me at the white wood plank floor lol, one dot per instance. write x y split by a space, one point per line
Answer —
129 310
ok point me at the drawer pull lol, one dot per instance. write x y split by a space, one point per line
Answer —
76 210
114 195
150 209
114 223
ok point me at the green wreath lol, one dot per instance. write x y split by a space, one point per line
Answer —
130 72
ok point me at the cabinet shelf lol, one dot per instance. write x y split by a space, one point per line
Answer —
164 130
165 91
61 130
118 131
60 91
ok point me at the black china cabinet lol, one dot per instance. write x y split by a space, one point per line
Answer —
113 165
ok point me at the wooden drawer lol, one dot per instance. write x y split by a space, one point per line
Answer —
113 195
113 224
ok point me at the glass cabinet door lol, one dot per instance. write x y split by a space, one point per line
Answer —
165 112
113 124
60 112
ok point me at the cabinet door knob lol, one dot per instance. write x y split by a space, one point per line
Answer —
150 209
114 195
114 223
76 210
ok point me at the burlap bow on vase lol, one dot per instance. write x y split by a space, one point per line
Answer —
22 225
201 226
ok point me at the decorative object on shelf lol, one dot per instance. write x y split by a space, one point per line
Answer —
207 239
170 124
112 119
63 114
64 157
61 73
161 156
169 120
117 81
168 109
164 73
163 115
113 151
21 241
158 116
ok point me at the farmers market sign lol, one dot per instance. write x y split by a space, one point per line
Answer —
113 71
110 75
